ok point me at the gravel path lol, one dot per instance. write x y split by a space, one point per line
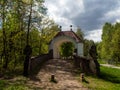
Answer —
64 76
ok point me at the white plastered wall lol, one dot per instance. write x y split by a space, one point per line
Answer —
80 49
56 42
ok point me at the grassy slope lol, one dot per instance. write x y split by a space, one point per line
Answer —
18 84
109 80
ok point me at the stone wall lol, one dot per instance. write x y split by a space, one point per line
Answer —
87 65
37 62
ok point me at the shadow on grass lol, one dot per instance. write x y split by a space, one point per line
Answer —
110 74
2 84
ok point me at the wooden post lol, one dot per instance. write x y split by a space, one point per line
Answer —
53 78
82 77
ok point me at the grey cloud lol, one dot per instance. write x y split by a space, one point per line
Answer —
94 11
93 16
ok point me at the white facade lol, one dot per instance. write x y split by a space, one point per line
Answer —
56 43
80 49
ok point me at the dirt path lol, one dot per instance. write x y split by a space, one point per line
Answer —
109 65
63 74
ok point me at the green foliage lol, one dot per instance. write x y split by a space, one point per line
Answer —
67 49
115 53
87 46
106 37
109 48
80 34
15 16
39 40
49 30
34 38
87 43
101 61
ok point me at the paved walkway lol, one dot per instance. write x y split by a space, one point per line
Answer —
63 71
109 65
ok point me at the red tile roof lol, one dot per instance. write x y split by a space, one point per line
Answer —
69 34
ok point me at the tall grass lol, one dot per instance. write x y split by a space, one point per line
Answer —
108 80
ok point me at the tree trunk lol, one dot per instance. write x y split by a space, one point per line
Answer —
5 65
27 50
26 66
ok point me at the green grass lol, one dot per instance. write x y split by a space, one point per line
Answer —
110 74
108 80
16 87
2 84
19 84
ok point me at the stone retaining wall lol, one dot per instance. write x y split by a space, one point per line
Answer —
87 65
37 62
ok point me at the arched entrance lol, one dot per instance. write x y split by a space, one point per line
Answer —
66 36
66 50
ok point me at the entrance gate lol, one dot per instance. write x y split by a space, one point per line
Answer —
66 36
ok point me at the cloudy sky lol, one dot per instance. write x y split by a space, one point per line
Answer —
89 15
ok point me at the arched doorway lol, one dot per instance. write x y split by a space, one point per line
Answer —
66 50
66 36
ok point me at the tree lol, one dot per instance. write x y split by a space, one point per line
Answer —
3 14
16 21
80 34
67 49
48 30
109 47
87 46
12 30
115 53
28 49
106 41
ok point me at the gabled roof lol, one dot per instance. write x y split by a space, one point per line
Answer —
69 34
